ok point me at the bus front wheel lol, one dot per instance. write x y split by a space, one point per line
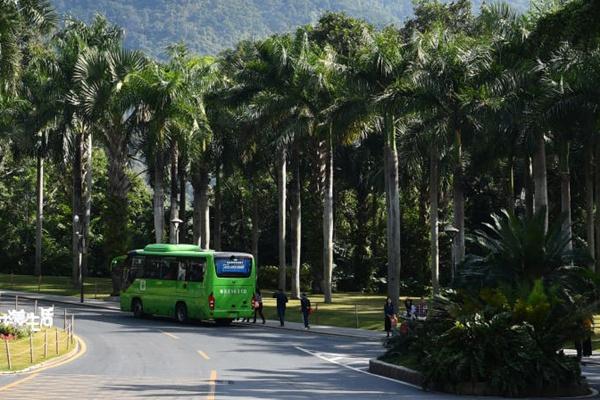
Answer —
138 308
181 313
223 321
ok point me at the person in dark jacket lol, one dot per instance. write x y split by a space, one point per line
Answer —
258 306
305 307
388 310
281 304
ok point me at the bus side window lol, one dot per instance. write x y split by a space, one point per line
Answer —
152 269
171 269
136 268
181 272
197 269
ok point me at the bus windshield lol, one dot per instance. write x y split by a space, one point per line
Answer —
233 266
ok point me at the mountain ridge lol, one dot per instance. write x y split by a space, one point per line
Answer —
209 26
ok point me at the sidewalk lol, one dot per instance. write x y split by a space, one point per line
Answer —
271 324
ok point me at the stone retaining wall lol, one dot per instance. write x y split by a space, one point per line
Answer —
395 372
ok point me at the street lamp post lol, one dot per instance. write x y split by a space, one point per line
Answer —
452 231
175 222
79 235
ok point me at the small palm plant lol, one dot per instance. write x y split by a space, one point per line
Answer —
515 250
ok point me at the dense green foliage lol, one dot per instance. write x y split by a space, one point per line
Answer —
209 26
504 325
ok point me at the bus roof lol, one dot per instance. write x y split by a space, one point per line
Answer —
186 250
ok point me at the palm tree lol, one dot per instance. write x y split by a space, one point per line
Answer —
107 97
75 122
21 22
373 97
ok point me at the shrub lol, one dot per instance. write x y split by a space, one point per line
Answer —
503 327
9 330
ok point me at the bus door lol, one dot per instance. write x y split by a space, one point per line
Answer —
191 289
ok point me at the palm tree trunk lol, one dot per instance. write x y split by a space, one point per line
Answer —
117 211
597 203
328 221
433 217
296 222
255 229
540 199
200 181
589 200
459 204
159 198
39 214
77 200
510 201
174 210
565 191
204 212
393 210
181 174
87 181
281 211
528 182
218 203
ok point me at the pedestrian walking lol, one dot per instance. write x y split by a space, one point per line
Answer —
281 304
258 306
390 315
305 307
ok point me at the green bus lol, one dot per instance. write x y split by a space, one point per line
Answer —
186 282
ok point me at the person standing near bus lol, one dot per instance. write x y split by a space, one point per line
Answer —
281 304
305 307
390 315
258 306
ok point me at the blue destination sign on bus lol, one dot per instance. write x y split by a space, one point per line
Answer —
233 266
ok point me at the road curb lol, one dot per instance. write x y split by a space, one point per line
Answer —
77 352
396 372
309 331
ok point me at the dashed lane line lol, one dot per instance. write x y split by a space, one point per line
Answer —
203 355
212 383
169 335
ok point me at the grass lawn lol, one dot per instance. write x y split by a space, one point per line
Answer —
57 285
349 310
20 349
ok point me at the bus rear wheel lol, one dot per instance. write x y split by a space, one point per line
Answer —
181 313
223 321
138 308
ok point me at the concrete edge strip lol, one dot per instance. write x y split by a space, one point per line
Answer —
358 369
309 331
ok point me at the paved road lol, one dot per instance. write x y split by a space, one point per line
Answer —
157 358
130 358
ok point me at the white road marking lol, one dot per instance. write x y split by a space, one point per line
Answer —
362 371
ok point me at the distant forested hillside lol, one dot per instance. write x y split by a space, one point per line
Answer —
209 26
